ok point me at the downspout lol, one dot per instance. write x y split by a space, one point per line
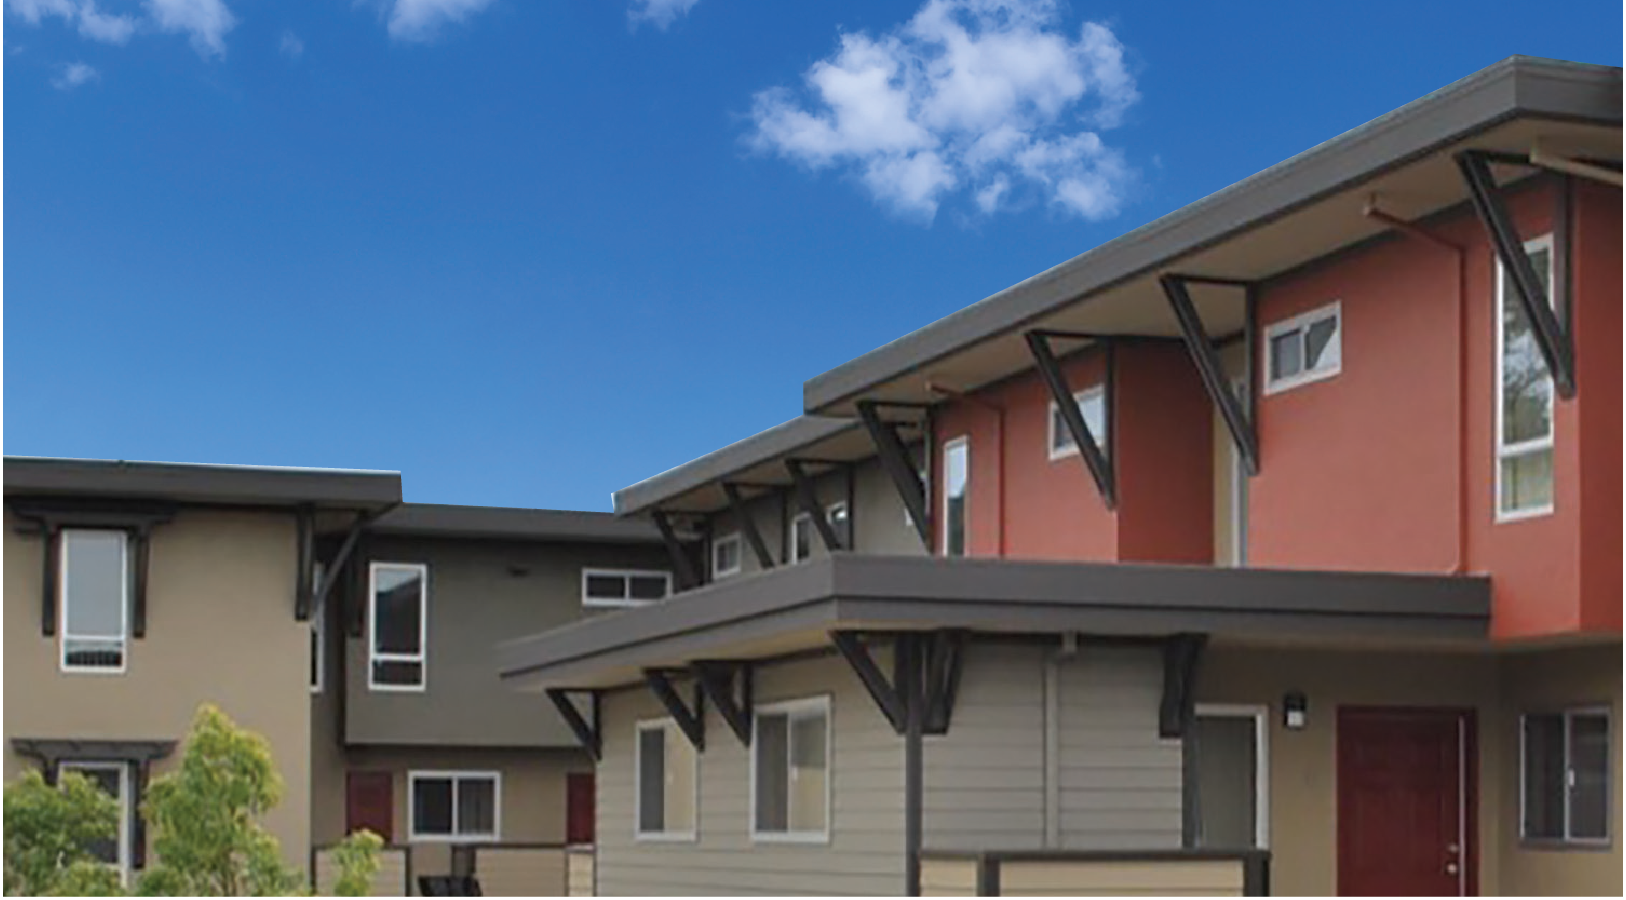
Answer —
1371 211
999 461
1052 738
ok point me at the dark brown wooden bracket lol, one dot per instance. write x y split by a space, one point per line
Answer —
690 718
729 687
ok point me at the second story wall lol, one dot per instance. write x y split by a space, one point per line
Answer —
480 592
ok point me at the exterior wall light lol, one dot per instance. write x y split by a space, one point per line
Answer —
1295 710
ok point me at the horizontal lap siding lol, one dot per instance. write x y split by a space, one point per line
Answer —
985 778
1120 784
521 871
865 852
1204 878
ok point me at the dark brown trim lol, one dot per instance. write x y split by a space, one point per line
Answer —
205 484
690 717
51 515
746 524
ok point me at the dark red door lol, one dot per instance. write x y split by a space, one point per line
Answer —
369 802
1405 802
579 808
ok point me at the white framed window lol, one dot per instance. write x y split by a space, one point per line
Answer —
625 587
1564 789
113 778
666 780
398 626
790 771
1092 404
460 806
727 555
1307 347
94 599
318 629
1231 792
1524 398
956 491
801 537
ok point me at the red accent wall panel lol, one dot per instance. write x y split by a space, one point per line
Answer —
1597 273
1165 444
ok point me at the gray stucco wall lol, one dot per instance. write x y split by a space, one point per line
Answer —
480 593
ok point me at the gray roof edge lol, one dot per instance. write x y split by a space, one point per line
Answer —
1518 85
517 523
781 439
200 482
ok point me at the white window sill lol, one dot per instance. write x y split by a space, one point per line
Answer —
452 838
1520 515
665 837
791 837
1300 380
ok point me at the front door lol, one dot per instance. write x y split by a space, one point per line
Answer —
1405 802
369 802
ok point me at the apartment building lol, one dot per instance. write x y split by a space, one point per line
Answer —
1271 547
353 630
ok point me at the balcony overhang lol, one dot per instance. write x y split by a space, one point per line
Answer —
1260 228
796 608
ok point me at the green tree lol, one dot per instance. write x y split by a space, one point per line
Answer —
358 860
49 831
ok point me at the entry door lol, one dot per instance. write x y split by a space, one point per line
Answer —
579 801
369 802
1405 802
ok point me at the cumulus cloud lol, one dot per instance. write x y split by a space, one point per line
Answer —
104 27
421 20
73 75
659 13
989 98
204 22
32 11
290 45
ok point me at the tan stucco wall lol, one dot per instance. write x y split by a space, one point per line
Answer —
1544 681
533 793
1303 811
220 629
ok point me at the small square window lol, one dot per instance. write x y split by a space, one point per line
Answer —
726 556
1308 347
1092 405
455 805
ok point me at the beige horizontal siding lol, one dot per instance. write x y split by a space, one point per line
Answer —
864 854
579 873
1159 878
520 871
390 881
948 878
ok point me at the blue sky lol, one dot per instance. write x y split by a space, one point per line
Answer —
531 252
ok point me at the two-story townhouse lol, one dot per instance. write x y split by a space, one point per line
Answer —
134 592
411 733
1272 545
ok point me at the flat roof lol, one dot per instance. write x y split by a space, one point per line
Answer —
804 435
1303 208
794 608
512 523
206 483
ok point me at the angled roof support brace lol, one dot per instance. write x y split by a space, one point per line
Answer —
589 735
747 525
1096 461
1552 337
932 661
336 569
728 684
809 502
691 720
945 661
1181 654
887 699
1238 417
682 567
895 460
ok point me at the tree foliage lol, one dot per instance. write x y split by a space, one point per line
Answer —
204 818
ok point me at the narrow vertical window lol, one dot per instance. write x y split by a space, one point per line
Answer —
956 487
398 618
1228 784
113 779
801 537
840 522
317 629
95 599
790 765
667 782
727 556
1524 398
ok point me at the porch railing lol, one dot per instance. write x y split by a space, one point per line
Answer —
1085 873
515 868
393 879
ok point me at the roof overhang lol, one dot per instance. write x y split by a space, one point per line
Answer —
794 608
1261 227
506 523
198 483
756 464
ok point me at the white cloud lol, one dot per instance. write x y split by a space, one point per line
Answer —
420 20
32 11
290 45
107 28
989 97
205 22
73 75
659 13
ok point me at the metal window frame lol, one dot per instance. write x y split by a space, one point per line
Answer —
958 441
65 635
738 540
669 732
1566 716
1502 451
373 655
626 600
1104 439
1301 323
790 709
456 777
